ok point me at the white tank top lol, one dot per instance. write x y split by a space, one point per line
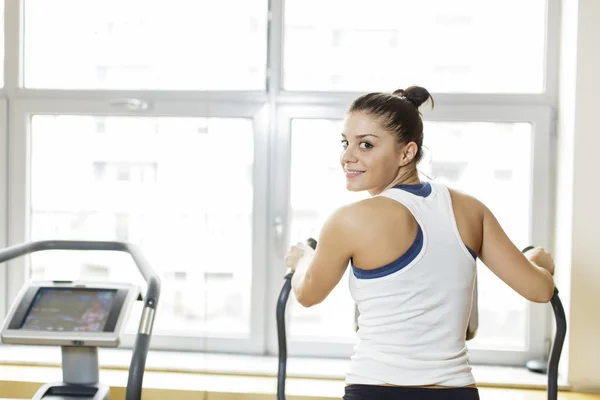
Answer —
414 312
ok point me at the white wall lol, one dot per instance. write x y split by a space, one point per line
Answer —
577 236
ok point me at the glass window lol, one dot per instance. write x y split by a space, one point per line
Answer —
446 46
468 156
163 184
183 188
137 44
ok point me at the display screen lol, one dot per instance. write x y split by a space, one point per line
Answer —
69 310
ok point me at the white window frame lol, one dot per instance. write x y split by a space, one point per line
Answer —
541 194
3 201
19 199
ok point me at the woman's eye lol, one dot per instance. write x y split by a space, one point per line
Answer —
344 143
366 145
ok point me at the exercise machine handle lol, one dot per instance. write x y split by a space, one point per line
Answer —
559 340
142 340
557 345
313 245
281 334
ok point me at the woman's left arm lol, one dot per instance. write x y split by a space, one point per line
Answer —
318 272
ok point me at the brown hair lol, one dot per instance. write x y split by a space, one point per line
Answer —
398 112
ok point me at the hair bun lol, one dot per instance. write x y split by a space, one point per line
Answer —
417 95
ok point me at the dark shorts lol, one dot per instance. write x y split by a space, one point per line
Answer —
374 392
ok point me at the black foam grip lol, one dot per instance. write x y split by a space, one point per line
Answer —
526 249
281 336
559 340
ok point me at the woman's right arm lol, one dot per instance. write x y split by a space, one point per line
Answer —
530 276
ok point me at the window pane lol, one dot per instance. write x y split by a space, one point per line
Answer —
319 142
137 44
445 46
148 181
472 157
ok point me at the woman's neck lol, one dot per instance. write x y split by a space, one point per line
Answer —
406 178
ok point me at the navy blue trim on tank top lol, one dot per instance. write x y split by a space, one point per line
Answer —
395 266
422 189
472 252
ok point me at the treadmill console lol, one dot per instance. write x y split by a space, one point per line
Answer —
69 314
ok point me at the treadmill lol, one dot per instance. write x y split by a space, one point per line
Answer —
81 316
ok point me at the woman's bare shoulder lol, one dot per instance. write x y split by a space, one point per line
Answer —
368 216
465 200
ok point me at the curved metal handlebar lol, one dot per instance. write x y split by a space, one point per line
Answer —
281 334
559 340
142 340
557 345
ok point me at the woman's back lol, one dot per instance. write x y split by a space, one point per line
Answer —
413 284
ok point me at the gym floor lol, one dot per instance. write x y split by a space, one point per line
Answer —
24 381
485 393
514 394
248 388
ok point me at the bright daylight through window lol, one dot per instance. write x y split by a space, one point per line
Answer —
137 44
234 154
155 196
468 46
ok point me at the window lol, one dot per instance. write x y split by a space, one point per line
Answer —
466 150
201 131
3 199
461 155
457 46
124 171
176 196
136 44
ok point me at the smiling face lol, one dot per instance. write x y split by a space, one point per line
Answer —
371 158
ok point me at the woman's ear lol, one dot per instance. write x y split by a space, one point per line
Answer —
408 153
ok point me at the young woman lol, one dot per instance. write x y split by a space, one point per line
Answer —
412 247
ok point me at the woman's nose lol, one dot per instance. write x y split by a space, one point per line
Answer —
348 155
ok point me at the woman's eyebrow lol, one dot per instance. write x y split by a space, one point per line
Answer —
363 135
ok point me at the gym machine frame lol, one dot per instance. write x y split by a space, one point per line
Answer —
142 340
